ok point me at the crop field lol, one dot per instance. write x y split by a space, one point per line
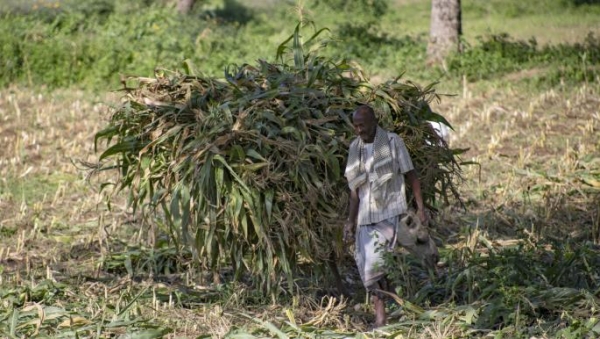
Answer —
520 252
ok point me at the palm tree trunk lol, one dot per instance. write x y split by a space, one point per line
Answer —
446 29
185 6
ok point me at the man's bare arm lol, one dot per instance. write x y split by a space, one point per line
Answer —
415 184
353 208
350 224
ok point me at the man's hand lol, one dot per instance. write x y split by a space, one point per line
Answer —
415 184
349 228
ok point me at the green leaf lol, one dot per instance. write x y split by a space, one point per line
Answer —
435 117
254 154
128 306
297 48
188 66
222 160
13 322
126 146
106 133
469 315
311 40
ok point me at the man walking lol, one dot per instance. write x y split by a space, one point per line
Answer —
378 164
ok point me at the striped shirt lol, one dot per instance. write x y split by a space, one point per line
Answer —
368 211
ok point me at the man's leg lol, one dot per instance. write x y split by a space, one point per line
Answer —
379 306
371 242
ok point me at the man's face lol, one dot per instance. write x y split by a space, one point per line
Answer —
365 126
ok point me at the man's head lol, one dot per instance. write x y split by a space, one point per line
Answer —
365 123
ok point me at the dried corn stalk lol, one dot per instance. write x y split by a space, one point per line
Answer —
248 170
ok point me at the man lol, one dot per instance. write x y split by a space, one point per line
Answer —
378 163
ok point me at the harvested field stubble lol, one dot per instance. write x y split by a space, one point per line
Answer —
539 156
538 181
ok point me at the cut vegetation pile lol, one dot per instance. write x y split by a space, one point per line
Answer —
248 170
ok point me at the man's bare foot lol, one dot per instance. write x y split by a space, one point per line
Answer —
379 307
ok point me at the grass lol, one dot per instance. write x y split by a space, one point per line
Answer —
546 21
70 265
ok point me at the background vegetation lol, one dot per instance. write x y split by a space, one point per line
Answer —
65 43
520 261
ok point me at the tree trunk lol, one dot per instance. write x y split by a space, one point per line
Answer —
446 29
185 6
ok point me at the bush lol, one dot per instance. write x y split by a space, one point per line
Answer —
496 55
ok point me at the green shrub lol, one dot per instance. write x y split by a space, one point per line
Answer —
575 63
380 51
358 10
93 45
581 2
499 54
517 8
493 55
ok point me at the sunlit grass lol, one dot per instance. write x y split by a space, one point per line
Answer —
547 25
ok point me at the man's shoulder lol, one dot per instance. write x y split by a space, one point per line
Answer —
354 142
394 137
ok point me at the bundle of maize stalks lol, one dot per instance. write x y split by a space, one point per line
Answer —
248 170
